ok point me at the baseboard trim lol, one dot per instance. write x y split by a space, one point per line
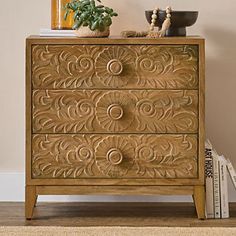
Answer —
13 190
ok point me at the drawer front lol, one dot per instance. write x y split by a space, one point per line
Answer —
104 66
114 156
127 111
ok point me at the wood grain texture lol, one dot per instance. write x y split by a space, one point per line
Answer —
35 40
115 190
28 111
30 201
199 200
114 156
133 111
201 131
114 182
96 66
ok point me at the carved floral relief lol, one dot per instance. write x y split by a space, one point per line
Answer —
138 111
114 156
115 66
115 111
101 66
166 111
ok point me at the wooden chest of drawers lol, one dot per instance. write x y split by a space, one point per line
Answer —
115 116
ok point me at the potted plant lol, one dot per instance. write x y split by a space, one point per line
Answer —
90 19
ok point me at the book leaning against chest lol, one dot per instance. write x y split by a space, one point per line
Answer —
216 177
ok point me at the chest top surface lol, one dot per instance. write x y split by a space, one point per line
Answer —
115 40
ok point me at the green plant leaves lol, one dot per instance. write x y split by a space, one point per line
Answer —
114 14
92 3
84 3
66 14
107 21
77 24
95 25
88 14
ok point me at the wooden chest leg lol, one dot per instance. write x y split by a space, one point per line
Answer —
199 200
35 202
30 201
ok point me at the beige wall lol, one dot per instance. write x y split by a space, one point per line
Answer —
216 23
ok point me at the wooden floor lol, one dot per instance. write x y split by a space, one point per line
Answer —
110 214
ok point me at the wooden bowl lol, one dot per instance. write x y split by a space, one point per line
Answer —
179 21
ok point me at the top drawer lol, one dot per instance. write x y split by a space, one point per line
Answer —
114 66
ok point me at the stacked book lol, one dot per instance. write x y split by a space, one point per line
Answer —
56 33
216 168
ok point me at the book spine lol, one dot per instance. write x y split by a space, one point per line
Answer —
216 184
209 183
224 202
232 172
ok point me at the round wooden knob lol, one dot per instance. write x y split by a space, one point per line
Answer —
115 67
114 156
115 112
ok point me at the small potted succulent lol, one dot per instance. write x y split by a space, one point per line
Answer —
90 19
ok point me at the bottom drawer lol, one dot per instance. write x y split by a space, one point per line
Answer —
114 156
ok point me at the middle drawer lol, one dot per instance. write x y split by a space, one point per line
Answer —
102 111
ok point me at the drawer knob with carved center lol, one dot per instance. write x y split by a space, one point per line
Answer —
115 112
115 67
114 156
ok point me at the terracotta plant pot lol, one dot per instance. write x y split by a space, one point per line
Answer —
85 32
